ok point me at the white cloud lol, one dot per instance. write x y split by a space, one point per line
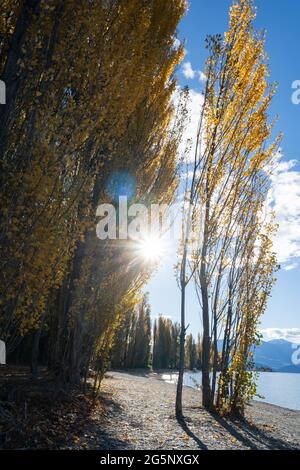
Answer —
194 112
190 73
202 76
289 334
187 71
194 106
176 43
284 198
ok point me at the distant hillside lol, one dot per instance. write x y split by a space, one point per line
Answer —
275 355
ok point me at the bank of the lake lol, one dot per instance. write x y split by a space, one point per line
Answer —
138 413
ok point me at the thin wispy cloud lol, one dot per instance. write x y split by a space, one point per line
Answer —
290 267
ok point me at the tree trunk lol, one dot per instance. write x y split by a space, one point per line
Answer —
36 347
223 391
206 389
178 406
215 364
181 355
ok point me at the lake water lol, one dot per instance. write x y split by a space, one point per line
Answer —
282 389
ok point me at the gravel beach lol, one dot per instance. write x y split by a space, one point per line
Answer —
139 414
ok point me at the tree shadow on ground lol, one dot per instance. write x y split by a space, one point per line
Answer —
250 435
98 437
39 414
184 426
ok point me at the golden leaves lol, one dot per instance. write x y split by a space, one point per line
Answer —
82 112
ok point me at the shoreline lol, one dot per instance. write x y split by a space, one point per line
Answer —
157 374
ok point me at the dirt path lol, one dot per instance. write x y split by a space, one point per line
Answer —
139 414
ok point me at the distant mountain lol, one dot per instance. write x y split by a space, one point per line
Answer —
275 355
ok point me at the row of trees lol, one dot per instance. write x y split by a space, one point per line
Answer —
166 342
227 248
132 341
89 95
137 345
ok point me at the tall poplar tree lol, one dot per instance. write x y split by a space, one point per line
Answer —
230 183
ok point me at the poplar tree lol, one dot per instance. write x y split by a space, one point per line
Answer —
227 197
234 180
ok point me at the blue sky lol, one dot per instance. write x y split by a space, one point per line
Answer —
281 21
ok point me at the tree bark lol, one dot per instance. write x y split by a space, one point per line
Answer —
36 347
206 346
206 389
181 355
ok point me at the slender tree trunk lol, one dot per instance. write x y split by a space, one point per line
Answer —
215 364
206 389
36 347
178 407
206 346
181 353
223 392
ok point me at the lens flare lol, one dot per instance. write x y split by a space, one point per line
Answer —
151 248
